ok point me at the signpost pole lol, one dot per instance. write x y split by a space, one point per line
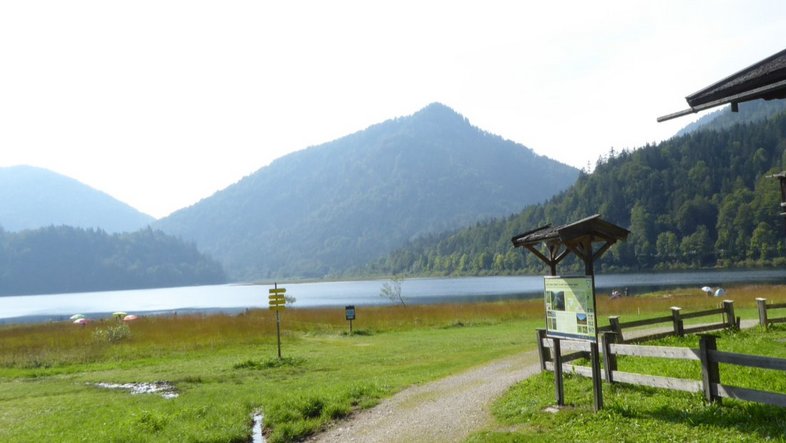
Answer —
277 301
559 387
597 388
589 270
278 333
278 326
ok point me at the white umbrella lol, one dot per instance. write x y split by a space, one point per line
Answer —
130 317
720 292
77 316
80 321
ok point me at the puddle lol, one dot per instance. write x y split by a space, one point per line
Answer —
256 431
164 389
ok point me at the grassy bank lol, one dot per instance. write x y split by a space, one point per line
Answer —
224 368
636 413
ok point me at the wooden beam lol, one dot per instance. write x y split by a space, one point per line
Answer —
770 398
656 351
679 384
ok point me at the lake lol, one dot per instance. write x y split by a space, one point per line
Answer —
235 298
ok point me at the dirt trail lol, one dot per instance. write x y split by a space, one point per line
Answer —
445 410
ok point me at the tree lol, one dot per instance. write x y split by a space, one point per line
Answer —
391 290
697 247
762 242
667 246
641 235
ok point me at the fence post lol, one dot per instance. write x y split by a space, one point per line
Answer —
710 375
543 352
677 321
559 389
762 304
609 359
614 323
728 308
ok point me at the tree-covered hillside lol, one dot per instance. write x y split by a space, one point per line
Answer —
724 118
32 198
697 200
339 205
67 259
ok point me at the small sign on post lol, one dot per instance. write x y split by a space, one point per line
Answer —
349 314
277 303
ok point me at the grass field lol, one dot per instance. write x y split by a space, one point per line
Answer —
224 368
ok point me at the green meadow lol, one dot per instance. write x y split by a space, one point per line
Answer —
636 413
224 368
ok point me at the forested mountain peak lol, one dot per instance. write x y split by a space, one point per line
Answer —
438 110
337 205
697 200
32 197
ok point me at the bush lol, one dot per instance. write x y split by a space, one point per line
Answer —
112 334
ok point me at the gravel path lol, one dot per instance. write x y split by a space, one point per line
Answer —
445 410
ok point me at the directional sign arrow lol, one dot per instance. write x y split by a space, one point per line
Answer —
277 290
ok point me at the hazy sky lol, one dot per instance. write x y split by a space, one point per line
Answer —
161 103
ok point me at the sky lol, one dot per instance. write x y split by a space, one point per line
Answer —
162 103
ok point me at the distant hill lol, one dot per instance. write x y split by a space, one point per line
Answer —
32 197
699 200
59 259
749 112
331 207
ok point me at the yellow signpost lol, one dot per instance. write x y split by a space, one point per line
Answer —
277 303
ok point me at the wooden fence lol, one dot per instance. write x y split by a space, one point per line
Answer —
764 320
707 354
677 321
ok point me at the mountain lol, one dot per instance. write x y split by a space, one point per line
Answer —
704 199
328 208
58 259
32 197
749 112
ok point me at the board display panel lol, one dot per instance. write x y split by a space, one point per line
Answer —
570 308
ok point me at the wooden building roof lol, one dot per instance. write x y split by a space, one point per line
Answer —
763 80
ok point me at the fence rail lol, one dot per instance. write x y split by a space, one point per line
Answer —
676 319
707 354
764 309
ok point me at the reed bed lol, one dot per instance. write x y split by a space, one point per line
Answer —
689 299
56 344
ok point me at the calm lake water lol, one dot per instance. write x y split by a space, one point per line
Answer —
235 298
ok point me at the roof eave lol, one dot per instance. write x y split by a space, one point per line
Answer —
774 90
